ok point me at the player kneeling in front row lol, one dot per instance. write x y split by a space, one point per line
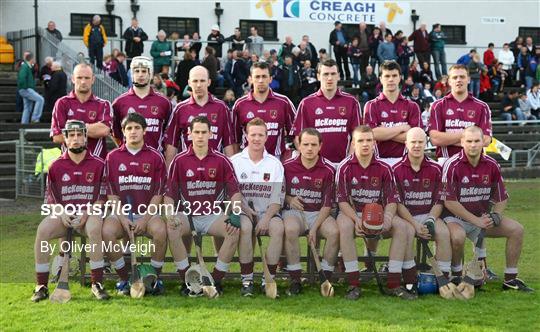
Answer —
77 173
418 181
362 179
199 180
137 171
472 181
309 180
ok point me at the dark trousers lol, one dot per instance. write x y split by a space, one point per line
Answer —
95 52
341 58
423 57
364 61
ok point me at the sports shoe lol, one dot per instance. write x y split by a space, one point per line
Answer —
247 288
122 287
517 284
491 275
456 280
353 293
41 292
219 287
99 292
402 293
294 289
158 288
184 290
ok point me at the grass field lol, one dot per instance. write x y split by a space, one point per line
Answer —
490 310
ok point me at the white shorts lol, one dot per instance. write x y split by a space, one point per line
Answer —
359 214
471 230
311 216
202 224
420 218
391 161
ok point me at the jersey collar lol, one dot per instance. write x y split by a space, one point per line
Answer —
72 95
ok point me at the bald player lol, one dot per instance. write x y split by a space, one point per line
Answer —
473 181
418 181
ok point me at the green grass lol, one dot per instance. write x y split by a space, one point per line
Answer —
490 310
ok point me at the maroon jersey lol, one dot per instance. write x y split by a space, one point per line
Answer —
78 184
211 179
155 108
92 111
278 113
314 186
373 184
418 191
449 115
474 187
215 110
380 112
140 175
335 119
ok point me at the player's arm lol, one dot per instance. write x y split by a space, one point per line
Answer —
97 130
436 211
390 211
155 201
321 217
457 209
58 139
499 207
170 152
348 210
122 218
440 138
389 133
230 150
400 138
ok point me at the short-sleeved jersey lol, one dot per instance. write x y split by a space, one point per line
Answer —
77 184
261 182
141 175
334 118
449 115
373 184
278 113
474 187
154 107
418 191
177 131
210 179
94 110
380 112
313 186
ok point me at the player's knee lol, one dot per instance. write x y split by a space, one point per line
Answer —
517 230
276 228
457 238
345 225
246 227
441 232
159 234
332 234
93 232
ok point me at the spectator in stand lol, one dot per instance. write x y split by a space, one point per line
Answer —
404 54
426 93
255 43
266 56
421 46
497 76
374 40
486 90
323 55
368 83
159 85
291 79
531 48
275 73
57 86
409 84
363 45
135 37
525 106
120 74
161 51
229 98
309 80
237 40
475 68
174 39
196 46
109 67
533 96
384 29
182 71
506 57
510 107
437 39
227 69
465 59
313 51
416 96
398 37
426 76
170 84
438 94
526 64
489 56
185 43
26 85
414 72
45 72
355 56
211 64
515 46
239 74
51 28
386 50
95 38
442 85
286 48
304 55
215 40
340 41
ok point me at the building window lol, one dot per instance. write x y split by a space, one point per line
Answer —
455 34
181 25
266 29
533 32
79 21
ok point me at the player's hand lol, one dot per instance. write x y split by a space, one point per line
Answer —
66 220
312 235
358 228
296 203
231 230
485 221
80 222
125 223
140 226
174 222
422 231
262 227
387 224
405 128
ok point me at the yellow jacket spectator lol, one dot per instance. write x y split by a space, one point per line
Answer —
95 38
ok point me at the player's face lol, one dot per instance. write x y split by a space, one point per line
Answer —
83 79
390 80
75 139
134 133
260 78
363 144
200 135
256 137
472 143
199 82
141 76
310 146
329 77
416 143
458 79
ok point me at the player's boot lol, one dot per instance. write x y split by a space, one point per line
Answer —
99 292
184 290
456 280
517 284
295 288
158 288
40 293
490 275
353 293
247 288
402 293
122 287
219 287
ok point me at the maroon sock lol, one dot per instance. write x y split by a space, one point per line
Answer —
272 268
218 275
42 278
182 274
96 275
393 280
354 278
446 274
123 273
510 276
296 275
246 268
457 273
409 275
